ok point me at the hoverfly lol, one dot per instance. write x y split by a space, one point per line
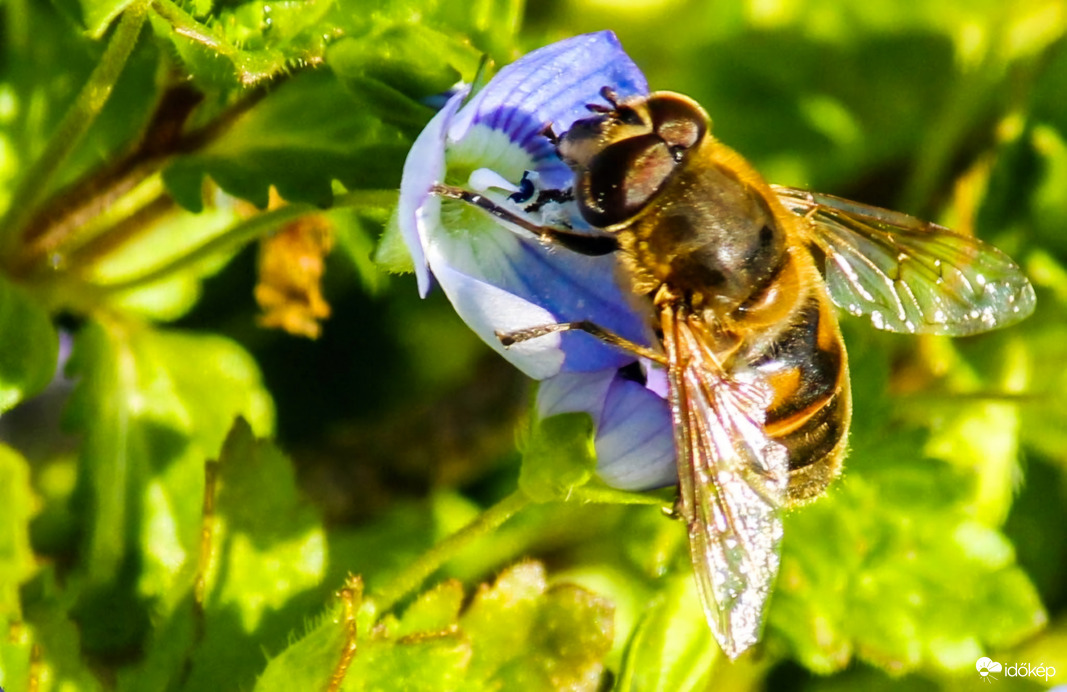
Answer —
739 279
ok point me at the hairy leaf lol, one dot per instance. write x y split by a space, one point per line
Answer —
518 633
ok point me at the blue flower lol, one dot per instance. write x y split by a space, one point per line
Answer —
500 278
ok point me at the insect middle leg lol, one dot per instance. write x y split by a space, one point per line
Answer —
605 335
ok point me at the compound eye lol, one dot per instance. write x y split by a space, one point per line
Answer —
678 122
623 178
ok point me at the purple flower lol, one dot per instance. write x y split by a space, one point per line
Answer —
501 278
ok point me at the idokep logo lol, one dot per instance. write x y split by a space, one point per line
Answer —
987 666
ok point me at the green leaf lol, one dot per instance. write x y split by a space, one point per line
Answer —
422 663
153 251
891 568
573 633
352 229
559 456
15 655
1041 504
392 71
152 406
29 346
249 585
434 611
671 647
17 565
308 662
527 636
392 253
489 24
307 133
45 648
44 61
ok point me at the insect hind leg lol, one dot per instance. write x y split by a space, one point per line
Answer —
509 339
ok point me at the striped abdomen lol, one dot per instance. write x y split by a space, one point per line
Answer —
807 370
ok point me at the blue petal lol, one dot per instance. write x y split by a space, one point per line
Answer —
575 392
551 86
634 439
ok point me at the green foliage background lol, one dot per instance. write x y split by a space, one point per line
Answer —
151 537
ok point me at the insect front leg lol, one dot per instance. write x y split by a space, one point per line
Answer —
609 337
589 245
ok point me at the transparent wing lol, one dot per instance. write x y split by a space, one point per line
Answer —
732 479
910 275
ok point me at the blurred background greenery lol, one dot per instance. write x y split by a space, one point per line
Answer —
135 232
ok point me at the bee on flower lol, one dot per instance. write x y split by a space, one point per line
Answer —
601 239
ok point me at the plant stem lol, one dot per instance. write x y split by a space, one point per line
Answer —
247 231
429 562
600 494
82 113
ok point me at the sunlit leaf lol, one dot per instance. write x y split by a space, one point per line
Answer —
518 633
99 13
309 662
16 557
249 42
268 549
49 640
155 248
353 232
152 407
392 73
246 587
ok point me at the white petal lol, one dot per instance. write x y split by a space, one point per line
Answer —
419 212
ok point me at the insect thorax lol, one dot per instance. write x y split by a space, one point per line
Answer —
707 235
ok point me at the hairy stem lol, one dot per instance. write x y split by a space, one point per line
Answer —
84 111
429 562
